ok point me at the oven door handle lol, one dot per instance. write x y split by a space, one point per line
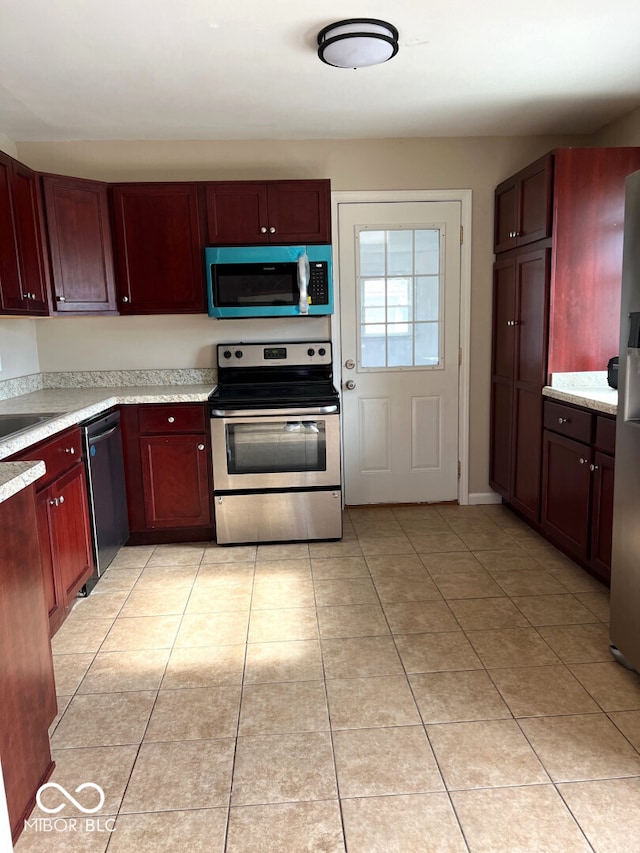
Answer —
285 413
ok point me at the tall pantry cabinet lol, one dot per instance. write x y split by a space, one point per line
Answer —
556 296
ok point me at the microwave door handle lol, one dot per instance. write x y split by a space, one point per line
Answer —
303 283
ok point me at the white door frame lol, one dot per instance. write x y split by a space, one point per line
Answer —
464 197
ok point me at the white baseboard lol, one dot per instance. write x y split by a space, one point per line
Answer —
484 498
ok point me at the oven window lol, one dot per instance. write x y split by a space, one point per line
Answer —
238 285
275 448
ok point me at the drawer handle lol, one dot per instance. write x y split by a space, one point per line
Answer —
201 447
563 420
171 419
70 450
583 461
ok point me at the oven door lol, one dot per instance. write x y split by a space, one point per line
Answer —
287 450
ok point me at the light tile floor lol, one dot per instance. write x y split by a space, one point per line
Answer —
439 681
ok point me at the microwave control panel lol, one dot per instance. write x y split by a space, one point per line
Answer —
318 287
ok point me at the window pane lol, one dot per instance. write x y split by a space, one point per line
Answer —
372 347
400 252
400 346
428 298
427 343
427 251
374 315
373 293
372 252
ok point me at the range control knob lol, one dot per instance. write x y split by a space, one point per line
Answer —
238 353
311 351
227 353
322 351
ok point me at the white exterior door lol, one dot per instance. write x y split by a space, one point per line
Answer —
400 316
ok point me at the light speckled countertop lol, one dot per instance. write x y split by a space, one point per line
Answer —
70 406
584 389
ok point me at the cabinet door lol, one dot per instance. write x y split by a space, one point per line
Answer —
534 203
11 299
299 211
79 233
29 238
54 604
158 249
566 480
602 515
506 216
532 296
70 531
502 361
175 473
237 213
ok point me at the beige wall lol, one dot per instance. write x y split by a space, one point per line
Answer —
7 145
18 348
624 131
377 164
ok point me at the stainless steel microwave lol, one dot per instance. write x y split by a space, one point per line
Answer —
269 281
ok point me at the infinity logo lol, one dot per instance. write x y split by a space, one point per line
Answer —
69 797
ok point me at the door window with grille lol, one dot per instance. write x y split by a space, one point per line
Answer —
400 305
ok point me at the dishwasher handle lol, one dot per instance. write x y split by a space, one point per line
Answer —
97 439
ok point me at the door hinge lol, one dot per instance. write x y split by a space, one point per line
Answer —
459 469
461 234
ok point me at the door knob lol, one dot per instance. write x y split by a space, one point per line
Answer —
350 385
349 364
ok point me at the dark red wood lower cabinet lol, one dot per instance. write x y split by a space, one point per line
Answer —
176 481
602 516
566 489
27 689
69 529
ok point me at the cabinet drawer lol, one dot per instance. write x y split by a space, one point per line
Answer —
169 419
574 423
59 455
606 435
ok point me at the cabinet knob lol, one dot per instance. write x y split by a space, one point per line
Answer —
60 299
61 499
593 467
54 502
201 447
583 461
263 229
70 450
171 419
563 420
125 298
272 230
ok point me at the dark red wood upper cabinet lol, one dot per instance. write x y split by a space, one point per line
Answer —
589 195
523 206
23 275
79 231
253 212
237 213
159 257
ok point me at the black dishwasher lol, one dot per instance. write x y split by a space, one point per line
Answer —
102 445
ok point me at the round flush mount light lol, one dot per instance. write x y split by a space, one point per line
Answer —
357 43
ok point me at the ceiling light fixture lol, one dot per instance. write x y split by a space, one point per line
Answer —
357 43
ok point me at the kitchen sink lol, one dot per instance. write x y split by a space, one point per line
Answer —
12 424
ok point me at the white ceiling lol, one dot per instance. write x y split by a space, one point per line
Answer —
247 69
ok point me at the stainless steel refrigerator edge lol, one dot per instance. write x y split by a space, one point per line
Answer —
625 570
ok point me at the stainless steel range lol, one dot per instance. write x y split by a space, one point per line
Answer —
275 429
